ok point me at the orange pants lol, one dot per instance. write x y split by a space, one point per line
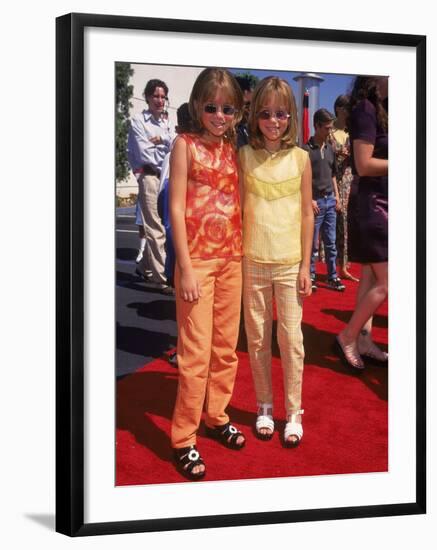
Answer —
207 341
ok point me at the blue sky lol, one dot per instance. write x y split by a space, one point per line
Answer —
330 88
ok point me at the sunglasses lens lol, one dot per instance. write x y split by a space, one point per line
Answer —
228 110
210 108
267 115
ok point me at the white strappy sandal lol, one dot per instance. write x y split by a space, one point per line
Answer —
293 428
264 420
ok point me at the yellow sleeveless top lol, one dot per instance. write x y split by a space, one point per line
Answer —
272 204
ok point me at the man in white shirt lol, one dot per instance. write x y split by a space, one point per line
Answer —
150 137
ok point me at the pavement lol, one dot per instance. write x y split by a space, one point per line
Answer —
145 318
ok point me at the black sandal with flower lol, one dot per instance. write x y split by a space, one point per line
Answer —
227 435
187 458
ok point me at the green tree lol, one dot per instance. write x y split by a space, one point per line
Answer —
250 77
123 92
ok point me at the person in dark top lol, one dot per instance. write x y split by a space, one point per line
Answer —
326 201
367 217
247 87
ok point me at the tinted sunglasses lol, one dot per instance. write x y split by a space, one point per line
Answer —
212 108
267 115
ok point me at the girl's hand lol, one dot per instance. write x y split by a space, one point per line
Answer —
315 206
304 283
190 288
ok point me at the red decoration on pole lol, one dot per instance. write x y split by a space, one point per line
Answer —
305 118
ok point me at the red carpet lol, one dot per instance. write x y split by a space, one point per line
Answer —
345 420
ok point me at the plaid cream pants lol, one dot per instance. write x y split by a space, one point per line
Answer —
260 283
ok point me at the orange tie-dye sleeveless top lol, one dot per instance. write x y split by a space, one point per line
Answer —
213 213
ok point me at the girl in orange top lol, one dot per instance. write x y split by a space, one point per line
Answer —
206 221
277 235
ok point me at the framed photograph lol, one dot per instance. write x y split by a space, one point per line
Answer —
363 454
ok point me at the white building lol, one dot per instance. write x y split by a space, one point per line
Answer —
179 80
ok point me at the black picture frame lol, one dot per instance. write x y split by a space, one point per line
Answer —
70 289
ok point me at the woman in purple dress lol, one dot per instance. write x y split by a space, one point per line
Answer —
367 217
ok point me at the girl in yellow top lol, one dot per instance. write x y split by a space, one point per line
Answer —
277 235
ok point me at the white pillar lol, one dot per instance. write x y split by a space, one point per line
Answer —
310 82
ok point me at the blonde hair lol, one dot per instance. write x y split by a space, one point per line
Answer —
207 84
272 85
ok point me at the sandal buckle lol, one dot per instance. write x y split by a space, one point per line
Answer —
193 455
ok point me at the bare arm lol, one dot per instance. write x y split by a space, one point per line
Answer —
337 196
365 163
189 290
307 229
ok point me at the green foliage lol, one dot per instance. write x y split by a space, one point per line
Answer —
250 77
123 93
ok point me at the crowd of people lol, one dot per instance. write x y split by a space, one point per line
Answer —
231 210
